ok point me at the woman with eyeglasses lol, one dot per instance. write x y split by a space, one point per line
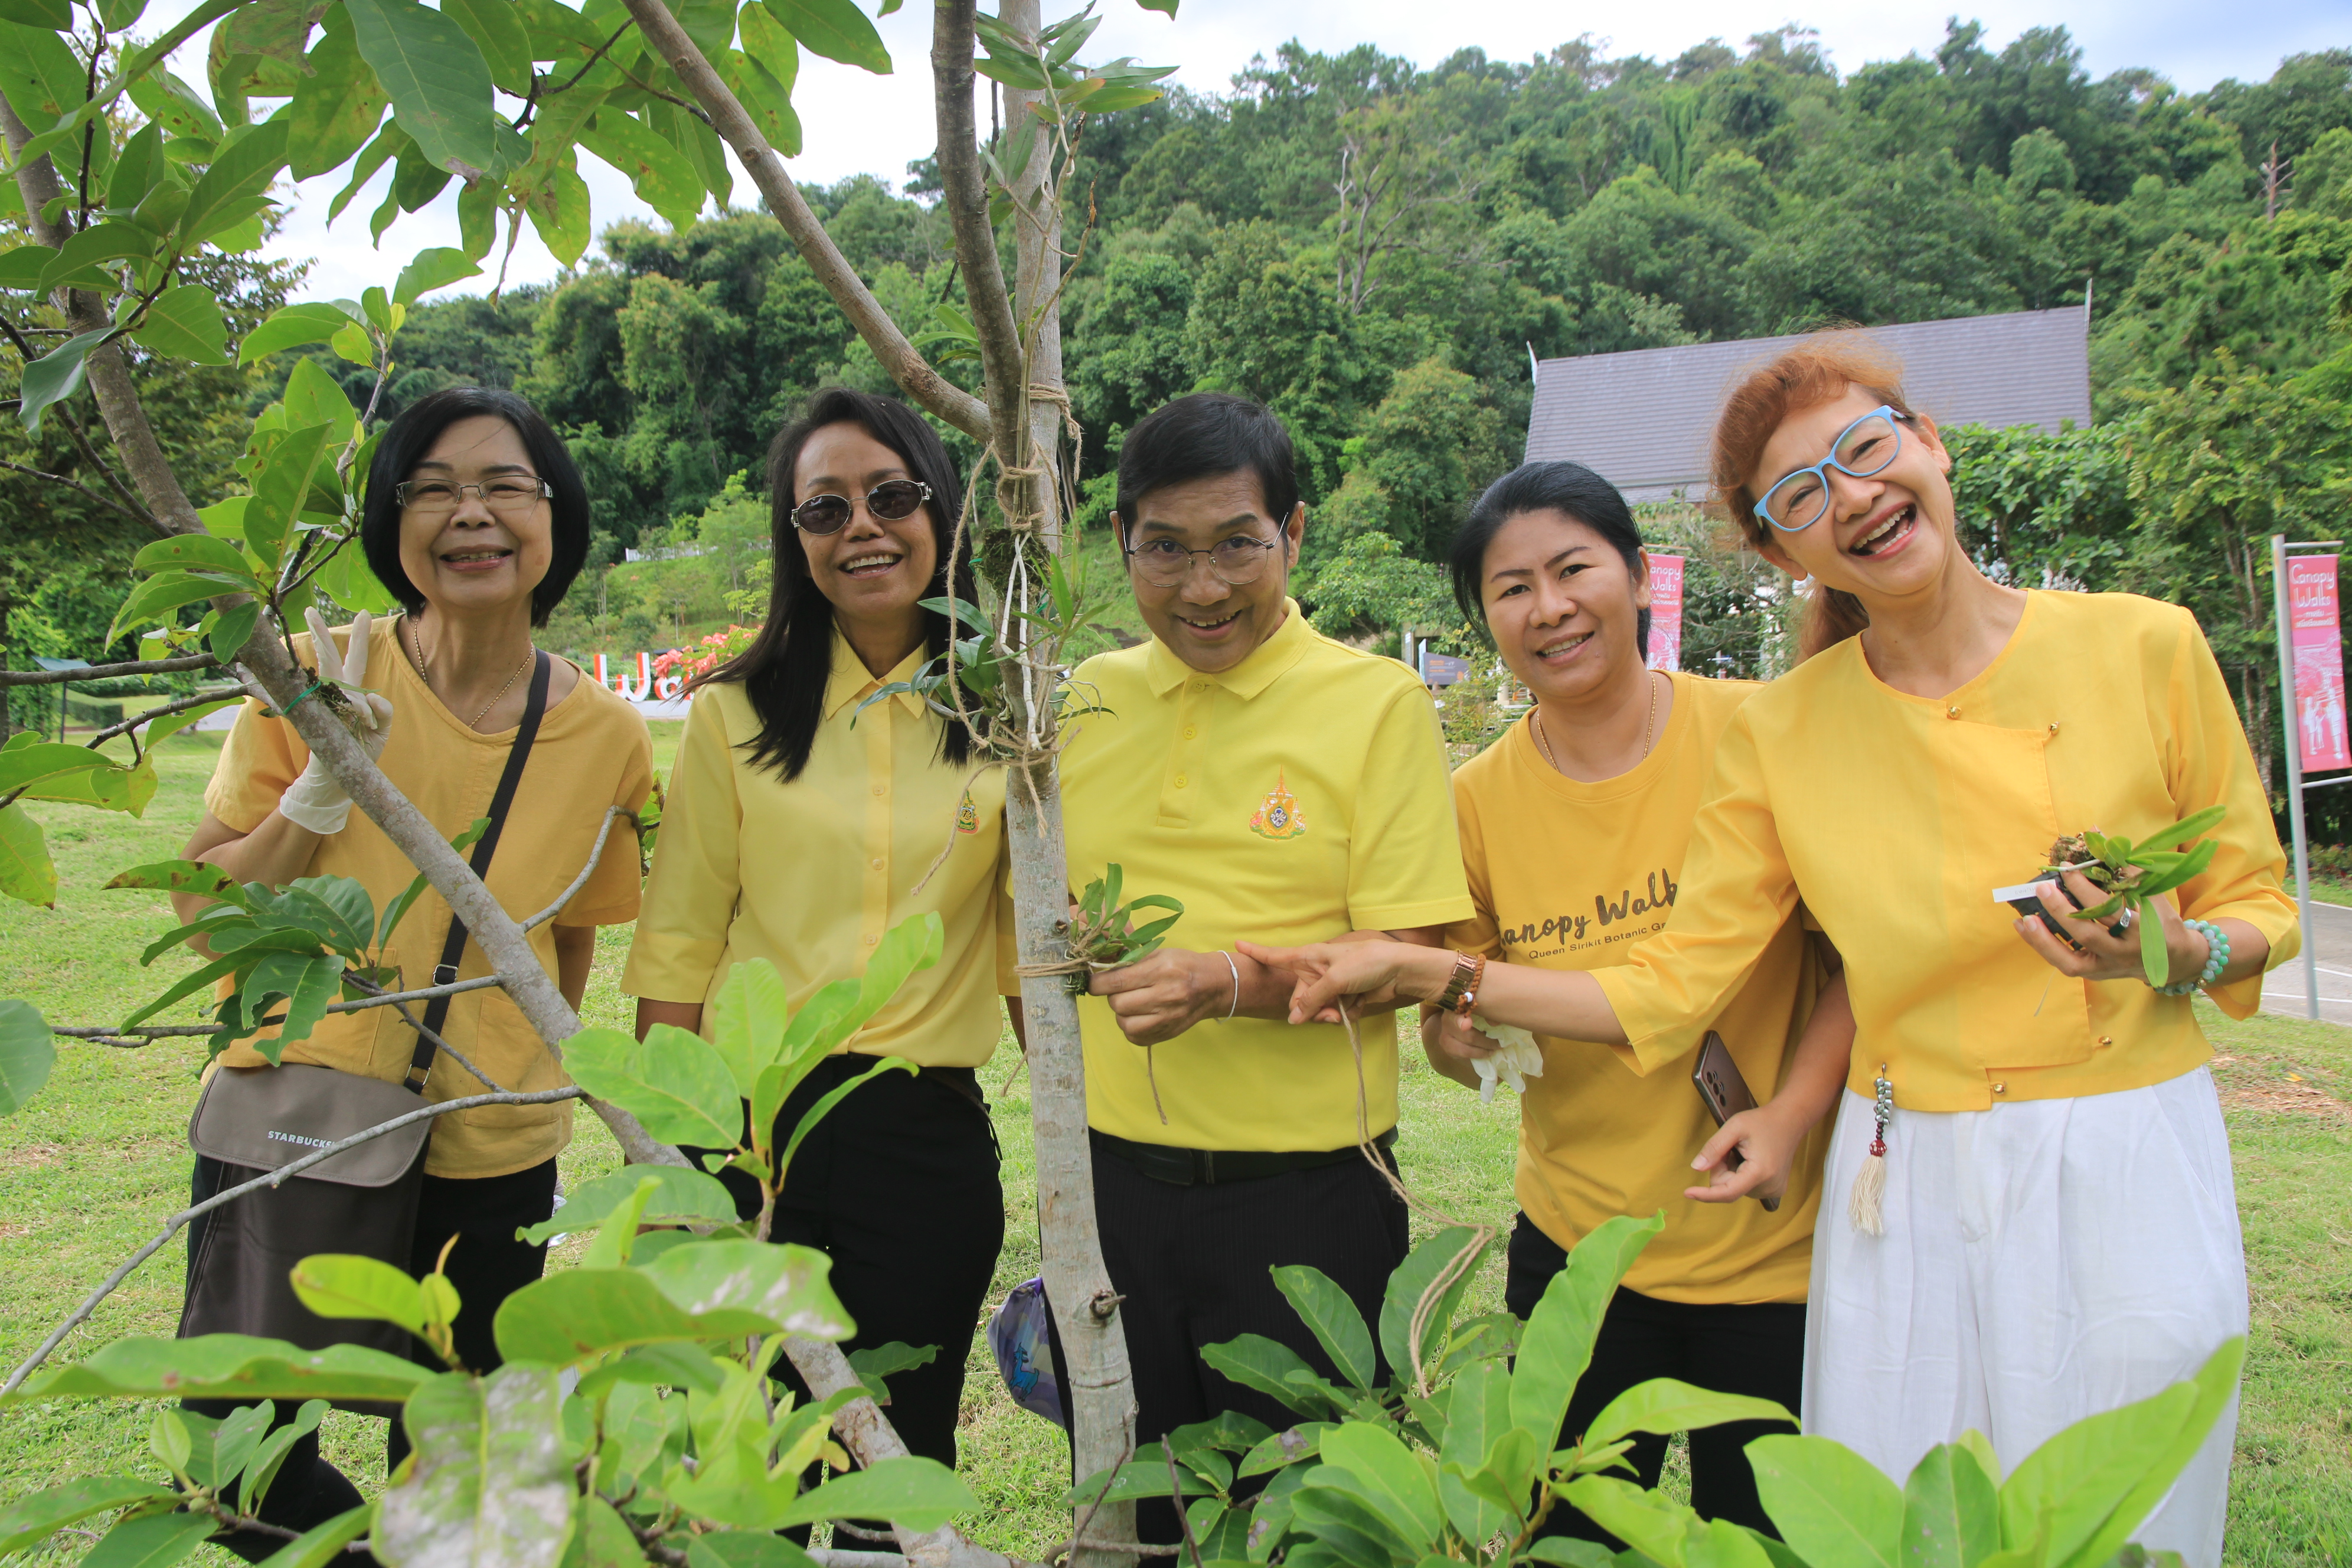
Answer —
476 520
803 825
2031 1213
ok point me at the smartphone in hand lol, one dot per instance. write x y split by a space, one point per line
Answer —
1726 1092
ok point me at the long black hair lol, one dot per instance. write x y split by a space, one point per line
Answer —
1570 488
785 670
408 439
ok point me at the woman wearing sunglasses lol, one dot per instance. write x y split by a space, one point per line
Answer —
802 825
2041 1221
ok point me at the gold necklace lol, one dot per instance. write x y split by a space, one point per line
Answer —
1649 725
424 671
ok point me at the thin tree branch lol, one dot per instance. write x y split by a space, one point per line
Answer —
271 1179
580 882
965 196
109 671
907 366
73 428
137 517
165 712
573 79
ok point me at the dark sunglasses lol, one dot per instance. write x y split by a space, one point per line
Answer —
888 501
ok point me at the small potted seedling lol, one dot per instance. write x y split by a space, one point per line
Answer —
1103 934
2129 874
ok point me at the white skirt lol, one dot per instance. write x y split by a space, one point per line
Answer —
2044 1260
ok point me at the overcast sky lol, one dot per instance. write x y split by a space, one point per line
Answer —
854 122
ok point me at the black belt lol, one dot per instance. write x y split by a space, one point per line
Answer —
1211 1167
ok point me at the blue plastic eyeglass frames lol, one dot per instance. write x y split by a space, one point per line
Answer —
1797 500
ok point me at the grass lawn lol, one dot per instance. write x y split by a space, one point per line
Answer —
89 1170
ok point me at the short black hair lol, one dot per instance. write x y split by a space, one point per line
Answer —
1207 435
785 670
405 443
1570 488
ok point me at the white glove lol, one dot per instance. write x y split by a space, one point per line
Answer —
315 800
1518 1060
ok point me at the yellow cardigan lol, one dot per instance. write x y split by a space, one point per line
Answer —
1892 817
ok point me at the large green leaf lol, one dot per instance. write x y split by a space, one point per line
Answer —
282 485
492 1483
174 104
1951 1514
438 82
29 1520
21 765
27 872
786 1286
834 28
226 1366
348 1284
337 106
153 600
1261 1363
673 1082
2067 1492
192 552
748 1020
2216 1383
102 242
919 1494
684 1196
55 376
321 1545
1830 1504
184 322
499 32
1558 1342
767 100
54 15
1406 1284
1666 1405
580 1312
433 268
663 177
1346 1523
152 1541
1478 1411
1648 1522
557 205
291 326
237 177
40 75
1332 1319
1388 1476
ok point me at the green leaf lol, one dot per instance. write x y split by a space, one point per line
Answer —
22 266
558 208
1405 1287
1650 1522
438 82
1332 1319
1830 1504
225 1366
2155 960
279 488
582 1313
2194 826
499 32
749 1018
1145 1476
184 322
834 28
1257 1362
323 1544
261 1471
239 175
1287 1446
918 1494
21 765
291 326
435 269
600 1538
681 1197
765 98
177 106
29 1520
54 15
1345 1523
783 1285
347 1285
1951 1515
55 376
153 1541
1665 1405
193 552
1478 1411
772 47
26 873
102 242
42 77
492 1482
337 106
768 1100
180 877
661 174
674 1082
240 1433
2216 1383
1558 1342
153 600
1389 1476
1570 1551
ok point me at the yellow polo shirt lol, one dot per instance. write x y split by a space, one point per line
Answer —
810 873
592 752
1295 797
1569 875
1895 816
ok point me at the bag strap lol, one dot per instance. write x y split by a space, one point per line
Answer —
436 1012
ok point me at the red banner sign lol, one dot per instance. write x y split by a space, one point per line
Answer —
1667 612
2318 641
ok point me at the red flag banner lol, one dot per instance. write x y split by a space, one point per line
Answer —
1667 612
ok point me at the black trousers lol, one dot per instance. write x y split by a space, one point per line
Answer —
1194 1264
898 1187
1757 1350
486 1264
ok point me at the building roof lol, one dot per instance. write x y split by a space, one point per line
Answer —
1643 419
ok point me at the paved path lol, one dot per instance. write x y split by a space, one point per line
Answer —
2330 936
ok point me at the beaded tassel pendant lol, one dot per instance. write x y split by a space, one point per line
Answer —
1867 1207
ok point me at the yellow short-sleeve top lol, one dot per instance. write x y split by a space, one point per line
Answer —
1298 796
1895 816
1570 875
592 752
810 873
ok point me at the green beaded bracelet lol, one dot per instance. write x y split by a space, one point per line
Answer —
2217 959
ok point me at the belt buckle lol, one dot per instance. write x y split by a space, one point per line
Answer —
1208 1158
445 974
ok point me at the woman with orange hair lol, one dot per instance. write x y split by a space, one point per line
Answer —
2042 1222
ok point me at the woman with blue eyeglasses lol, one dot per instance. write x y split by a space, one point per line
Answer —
2030 1214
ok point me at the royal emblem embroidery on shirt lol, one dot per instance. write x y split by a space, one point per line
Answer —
967 816
1278 814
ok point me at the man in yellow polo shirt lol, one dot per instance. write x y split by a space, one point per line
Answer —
1283 787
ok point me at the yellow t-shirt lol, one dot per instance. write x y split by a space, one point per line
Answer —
592 752
1296 796
1893 817
1568 875
809 874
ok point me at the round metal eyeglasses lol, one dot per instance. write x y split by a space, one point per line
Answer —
1798 500
1235 562
888 501
509 495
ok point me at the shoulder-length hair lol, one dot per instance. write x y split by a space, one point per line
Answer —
408 439
785 670
1568 488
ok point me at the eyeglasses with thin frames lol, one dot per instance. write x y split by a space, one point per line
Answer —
507 495
1236 562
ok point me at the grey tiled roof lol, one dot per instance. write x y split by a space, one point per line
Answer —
1643 419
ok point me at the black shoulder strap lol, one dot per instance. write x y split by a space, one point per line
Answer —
436 1012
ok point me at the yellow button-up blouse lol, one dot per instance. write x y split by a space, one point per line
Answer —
1895 816
809 874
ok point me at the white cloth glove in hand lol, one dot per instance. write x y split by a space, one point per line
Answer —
1519 1059
315 800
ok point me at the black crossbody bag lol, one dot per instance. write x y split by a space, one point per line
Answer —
255 1120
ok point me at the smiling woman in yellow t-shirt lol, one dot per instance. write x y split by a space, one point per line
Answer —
1574 826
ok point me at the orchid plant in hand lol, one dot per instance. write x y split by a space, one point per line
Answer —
2130 874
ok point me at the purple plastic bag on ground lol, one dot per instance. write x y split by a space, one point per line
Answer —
1018 1336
